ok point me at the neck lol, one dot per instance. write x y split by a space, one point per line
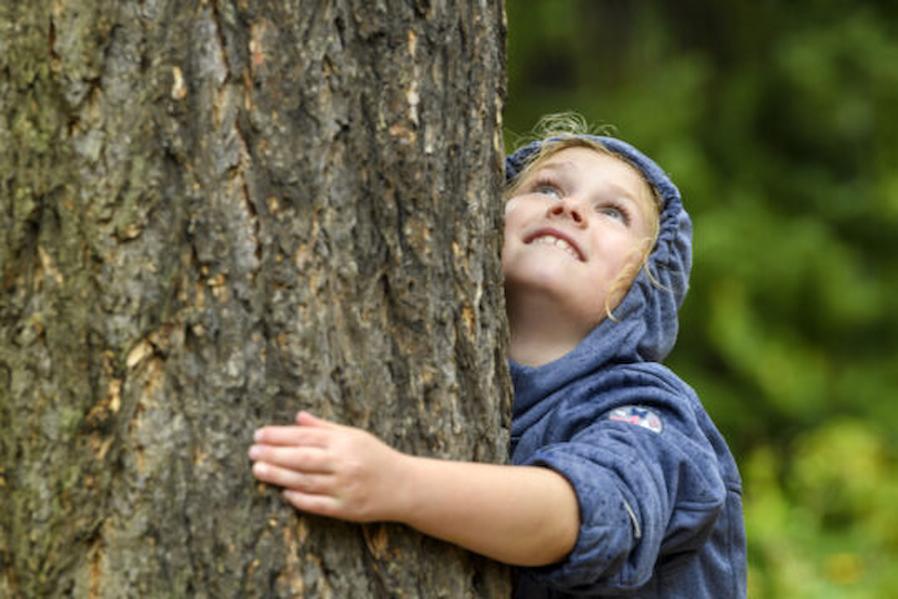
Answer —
540 332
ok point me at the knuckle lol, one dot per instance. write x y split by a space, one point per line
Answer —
319 485
364 513
307 455
303 483
335 510
294 457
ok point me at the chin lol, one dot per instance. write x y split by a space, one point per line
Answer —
548 279
548 269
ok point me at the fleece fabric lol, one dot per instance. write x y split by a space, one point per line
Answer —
658 489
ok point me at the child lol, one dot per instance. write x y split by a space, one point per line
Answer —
620 483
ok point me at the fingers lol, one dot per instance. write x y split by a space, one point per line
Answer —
303 418
291 435
313 504
317 484
300 459
311 430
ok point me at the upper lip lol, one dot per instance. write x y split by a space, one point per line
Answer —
560 235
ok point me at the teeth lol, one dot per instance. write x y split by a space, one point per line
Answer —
559 243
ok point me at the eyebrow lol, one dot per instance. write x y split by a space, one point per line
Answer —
564 165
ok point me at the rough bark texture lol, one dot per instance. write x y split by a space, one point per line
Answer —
215 213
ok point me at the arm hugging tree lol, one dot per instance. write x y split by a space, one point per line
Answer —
215 214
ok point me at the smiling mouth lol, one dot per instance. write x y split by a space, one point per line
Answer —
546 238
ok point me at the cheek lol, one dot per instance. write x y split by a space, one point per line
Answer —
511 241
508 246
511 206
621 255
628 264
512 217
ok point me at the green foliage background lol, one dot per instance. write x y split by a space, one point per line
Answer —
779 122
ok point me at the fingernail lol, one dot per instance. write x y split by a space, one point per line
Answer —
257 436
254 452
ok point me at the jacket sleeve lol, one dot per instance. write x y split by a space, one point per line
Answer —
642 492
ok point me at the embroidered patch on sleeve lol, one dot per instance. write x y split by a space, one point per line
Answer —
643 417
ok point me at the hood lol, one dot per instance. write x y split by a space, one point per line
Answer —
646 322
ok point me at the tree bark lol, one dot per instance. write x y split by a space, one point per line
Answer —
217 213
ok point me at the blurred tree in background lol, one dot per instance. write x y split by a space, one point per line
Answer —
779 122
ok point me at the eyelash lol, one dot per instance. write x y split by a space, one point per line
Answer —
545 181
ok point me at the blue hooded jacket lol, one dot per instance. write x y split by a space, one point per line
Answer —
658 490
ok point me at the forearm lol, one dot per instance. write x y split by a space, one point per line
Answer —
520 515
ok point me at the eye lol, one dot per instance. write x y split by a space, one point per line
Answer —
548 190
546 187
614 211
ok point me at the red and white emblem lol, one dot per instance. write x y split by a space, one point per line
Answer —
637 415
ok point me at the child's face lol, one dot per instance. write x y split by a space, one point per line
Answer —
576 221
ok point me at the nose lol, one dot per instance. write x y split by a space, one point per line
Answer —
565 208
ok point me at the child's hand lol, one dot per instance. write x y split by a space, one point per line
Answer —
332 470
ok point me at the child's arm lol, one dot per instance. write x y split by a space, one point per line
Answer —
519 515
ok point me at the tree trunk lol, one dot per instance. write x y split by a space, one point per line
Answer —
214 214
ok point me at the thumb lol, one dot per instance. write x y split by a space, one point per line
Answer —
304 418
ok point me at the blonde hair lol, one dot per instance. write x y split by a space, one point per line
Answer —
567 130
